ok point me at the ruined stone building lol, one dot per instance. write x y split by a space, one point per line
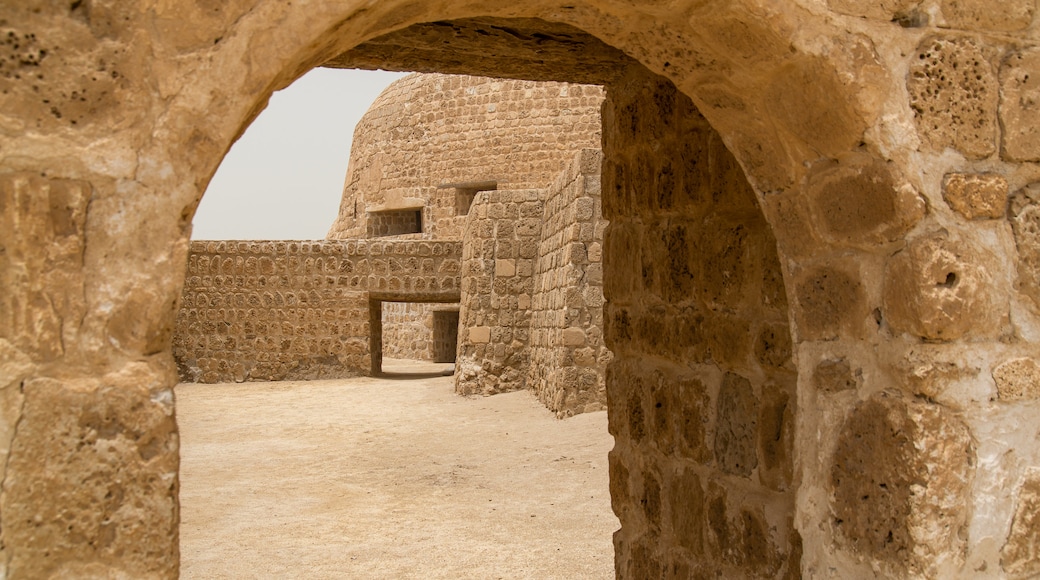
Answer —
821 279
461 192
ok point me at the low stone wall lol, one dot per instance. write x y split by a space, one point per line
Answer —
568 356
297 309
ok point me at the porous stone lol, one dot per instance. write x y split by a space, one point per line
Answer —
976 195
901 476
1020 105
1020 556
939 288
1017 379
953 92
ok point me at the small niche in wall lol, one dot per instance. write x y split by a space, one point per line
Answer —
395 222
466 192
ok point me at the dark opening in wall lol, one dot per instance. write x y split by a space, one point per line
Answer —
466 191
395 222
445 335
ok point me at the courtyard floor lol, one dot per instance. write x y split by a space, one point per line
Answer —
393 477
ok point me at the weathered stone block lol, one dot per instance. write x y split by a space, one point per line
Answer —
1024 215
1009 15
953 92
776 438
976 195
736 429
573 337
505 267
1020 105
480 334
1020 556
836 375
1017 379
901 477
856 200
940 289
831 301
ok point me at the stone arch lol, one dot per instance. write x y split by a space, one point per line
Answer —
814 102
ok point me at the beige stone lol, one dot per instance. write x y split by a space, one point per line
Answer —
573 337
901 476
1020 104
1017 379
1020 556
953 93
480 334
505 268
1024 215
976 195
1010 15
938 288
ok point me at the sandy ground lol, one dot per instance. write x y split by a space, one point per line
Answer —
393 477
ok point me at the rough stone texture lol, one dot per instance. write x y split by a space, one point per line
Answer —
298 310
407 330
835 375
976 195
1020 556
1017 378
568 356
1020 105
699 391
428 135
1024 215
953 92
901 471
940 289
134 104
833 302
491 297
1010 15
857 201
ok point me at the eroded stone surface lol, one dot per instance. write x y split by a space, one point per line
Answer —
832 303
939 288
976 195
1024 215
1020 105
1017 378
1020 556
953 92
901 474
1011 15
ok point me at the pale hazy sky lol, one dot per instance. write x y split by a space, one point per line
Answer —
282 180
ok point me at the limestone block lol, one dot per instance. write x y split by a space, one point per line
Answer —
573 337
776 438
1017 379
1024 215
831 302
940 289
505 267
1020 105
480 334
953 92
901 476
91 488
835 375
736 431
1007 16
857 200
1020 556
976 195
773 346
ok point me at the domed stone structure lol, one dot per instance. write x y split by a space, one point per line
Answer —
431 141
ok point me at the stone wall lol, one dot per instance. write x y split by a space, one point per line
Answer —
428 133
701 390
498 261
568 356
407 330
298 310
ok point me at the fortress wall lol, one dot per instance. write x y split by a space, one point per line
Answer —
408 330
701 389
498 262
434 129
299 309
568 356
